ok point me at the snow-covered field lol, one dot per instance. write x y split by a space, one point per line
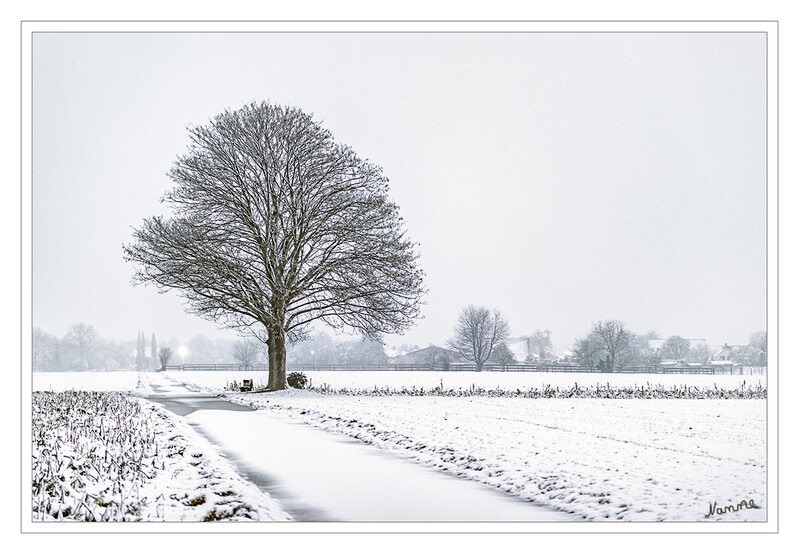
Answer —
366 380
627 460
85 380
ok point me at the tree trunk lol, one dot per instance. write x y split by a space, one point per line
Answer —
276 345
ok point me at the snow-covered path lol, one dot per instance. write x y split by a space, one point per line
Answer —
321 476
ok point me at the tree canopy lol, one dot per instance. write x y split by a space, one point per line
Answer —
478 331
275 226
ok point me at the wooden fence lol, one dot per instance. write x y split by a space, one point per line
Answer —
539 368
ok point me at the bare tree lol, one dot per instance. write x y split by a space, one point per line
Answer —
164 356
247 352
609 345
759 343
275 226
477 332
586 351
83 338
46 351
154 352
615 341
676 348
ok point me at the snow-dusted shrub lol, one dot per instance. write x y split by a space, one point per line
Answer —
92 452
107 457
297 380
597 391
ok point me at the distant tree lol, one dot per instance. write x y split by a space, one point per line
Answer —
699 354
642 354
503 355
247 352
46 351
746 356
276 226
608 341
319 348
477 332
586 352
754 353
676 348
114 355
439 357
164 356
615 341
758 341
83 339
366 351
154 352
141 359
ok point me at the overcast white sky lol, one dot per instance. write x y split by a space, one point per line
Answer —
562 178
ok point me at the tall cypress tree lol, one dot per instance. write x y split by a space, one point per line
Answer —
154 352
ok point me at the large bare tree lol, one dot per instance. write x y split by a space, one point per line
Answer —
275 225
478 331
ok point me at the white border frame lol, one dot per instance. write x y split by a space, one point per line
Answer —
769 27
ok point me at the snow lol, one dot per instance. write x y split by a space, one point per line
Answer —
100 381
185 477
199 484
324 476
628 460
622 460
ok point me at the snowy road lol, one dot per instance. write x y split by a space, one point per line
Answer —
320 476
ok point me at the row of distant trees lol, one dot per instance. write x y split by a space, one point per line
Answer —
319 348
82 348
480 335
611 345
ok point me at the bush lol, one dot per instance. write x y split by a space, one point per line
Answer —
297 380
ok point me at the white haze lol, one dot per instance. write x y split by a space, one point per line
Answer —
562 178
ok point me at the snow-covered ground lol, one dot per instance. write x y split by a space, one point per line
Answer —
628 460
99 381
366 380
183 477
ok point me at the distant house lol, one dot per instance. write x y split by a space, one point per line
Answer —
435 355
723 355
523 350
